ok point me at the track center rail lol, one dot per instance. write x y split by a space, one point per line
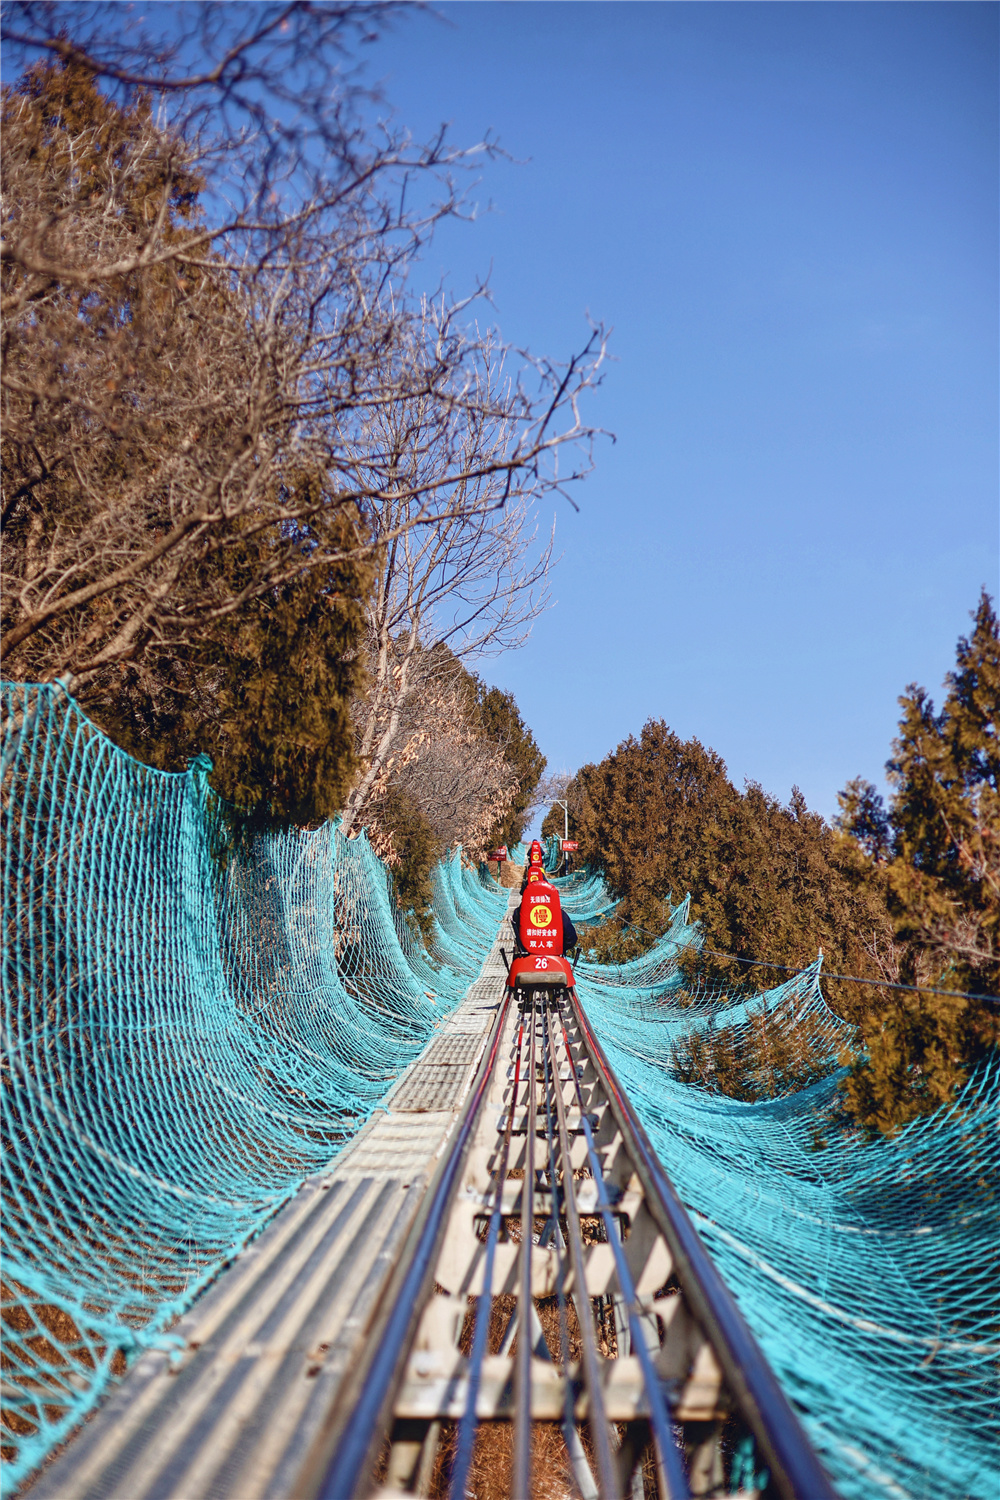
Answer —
553 1278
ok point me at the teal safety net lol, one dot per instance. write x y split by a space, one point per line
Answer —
193 1022
868 1272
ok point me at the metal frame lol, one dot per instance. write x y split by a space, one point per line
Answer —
345 1451
795 1468
683 1377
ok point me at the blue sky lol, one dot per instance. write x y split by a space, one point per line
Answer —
788 213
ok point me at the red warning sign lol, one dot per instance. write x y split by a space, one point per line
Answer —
567 845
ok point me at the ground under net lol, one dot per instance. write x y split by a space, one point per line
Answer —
868 1271
194 1021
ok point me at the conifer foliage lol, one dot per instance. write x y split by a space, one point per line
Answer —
906 894
938 844
266 693
660 817
945 817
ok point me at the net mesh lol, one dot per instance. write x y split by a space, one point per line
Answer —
868 1271
193 1021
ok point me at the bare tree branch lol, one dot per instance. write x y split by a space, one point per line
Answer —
451 476
208 342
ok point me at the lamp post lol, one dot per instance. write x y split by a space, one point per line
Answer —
560 802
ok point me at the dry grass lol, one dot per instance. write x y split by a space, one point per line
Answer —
48 1336
492 1456
492 1460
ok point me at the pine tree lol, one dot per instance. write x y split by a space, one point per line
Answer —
660 817
943 834
266 693
946 817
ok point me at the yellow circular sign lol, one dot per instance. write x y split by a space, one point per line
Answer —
540 916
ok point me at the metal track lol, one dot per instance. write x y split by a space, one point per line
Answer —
259 1361
553 1278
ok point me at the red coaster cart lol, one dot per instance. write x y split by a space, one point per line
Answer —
544 972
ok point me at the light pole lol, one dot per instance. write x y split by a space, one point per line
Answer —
560 802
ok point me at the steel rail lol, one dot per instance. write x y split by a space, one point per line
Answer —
673 1480
345 1454
484 1303
795 1469
607 1477
582 1474
521 1483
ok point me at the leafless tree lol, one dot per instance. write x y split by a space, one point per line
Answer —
451 501
552 787
266 97
456 776
214 378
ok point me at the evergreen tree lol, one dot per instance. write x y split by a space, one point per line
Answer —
863 815
945 816
266 693
660 817
417 847
942 832
258 677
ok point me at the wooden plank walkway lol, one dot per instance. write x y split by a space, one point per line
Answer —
269 1344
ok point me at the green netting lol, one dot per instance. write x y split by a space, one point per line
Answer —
869 1272
193 1022
552 855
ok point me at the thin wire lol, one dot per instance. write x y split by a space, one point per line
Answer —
877 984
